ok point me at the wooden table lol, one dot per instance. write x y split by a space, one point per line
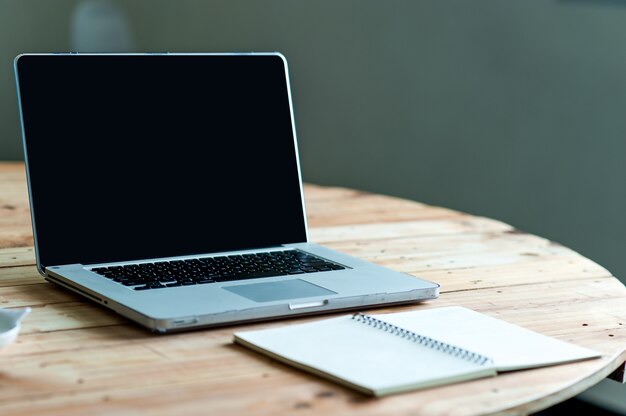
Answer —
76 358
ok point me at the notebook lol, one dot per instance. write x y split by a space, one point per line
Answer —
393 353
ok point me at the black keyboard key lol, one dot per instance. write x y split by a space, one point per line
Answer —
209 276
143 288
242 276
225 277
313 263
156 286
268 273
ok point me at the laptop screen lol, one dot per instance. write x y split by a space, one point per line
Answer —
135 157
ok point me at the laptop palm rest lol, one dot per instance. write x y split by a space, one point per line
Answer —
272 291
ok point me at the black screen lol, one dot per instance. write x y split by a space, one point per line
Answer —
144 156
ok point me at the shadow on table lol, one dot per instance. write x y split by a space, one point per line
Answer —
575 407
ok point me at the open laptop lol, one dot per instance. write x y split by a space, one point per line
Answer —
167 188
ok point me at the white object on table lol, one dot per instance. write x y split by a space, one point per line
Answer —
10 324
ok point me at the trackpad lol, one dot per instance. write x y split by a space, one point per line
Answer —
270 291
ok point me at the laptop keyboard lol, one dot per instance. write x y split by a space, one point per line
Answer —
158 275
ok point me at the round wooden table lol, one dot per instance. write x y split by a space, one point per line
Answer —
75 358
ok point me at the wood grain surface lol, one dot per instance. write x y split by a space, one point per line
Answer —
76 358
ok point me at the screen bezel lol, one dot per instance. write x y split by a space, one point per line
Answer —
40 266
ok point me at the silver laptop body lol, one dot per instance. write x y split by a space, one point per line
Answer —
72 191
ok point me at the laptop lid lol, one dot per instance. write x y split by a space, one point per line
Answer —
134 157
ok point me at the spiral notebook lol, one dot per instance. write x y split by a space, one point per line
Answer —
393 353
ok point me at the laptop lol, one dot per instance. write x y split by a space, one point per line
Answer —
167 188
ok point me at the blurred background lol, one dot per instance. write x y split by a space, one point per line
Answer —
514 110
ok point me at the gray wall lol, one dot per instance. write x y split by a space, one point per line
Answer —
504 108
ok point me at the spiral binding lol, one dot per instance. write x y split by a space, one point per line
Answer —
423 340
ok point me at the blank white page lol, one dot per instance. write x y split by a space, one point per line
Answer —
511 347
360 355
